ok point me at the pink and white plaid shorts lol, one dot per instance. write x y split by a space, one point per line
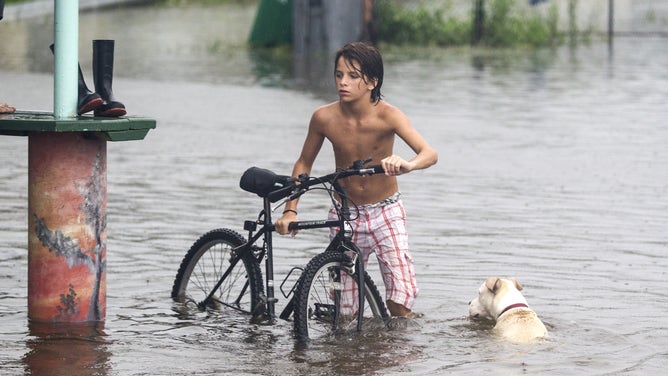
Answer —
381 228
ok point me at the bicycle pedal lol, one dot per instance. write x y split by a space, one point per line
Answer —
266 300
262 319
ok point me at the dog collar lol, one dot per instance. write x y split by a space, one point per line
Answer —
516 305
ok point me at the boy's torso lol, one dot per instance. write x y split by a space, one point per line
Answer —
355 138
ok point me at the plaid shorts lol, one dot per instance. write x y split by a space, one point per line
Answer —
381 229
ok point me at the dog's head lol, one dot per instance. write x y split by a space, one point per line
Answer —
493 296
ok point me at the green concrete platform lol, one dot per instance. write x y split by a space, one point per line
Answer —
124 128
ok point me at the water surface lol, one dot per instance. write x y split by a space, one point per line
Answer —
553 169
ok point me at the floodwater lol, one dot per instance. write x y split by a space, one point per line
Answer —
553 169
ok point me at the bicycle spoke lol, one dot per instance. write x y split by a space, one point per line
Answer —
326 300
212 277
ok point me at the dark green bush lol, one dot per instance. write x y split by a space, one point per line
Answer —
504 25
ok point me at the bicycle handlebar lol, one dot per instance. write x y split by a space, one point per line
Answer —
305 225
293 191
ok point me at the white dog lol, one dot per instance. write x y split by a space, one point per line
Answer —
500 299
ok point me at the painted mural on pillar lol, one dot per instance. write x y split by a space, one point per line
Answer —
87 255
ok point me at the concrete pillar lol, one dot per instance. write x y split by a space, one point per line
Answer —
326 25
320 28
67 201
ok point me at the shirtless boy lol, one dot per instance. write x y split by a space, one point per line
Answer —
361 125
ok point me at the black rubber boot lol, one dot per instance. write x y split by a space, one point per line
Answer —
103 72
87 100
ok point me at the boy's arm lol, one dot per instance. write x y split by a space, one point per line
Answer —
310 149
426 156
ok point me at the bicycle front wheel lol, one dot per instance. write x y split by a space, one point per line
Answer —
212 276
326 299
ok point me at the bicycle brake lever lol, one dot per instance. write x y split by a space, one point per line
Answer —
299 188
298 192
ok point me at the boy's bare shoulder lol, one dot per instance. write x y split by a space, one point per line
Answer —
383 110
326 108
389 108
388 112
325 112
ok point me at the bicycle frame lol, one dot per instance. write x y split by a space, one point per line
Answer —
343 238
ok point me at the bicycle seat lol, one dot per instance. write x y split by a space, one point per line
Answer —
262 181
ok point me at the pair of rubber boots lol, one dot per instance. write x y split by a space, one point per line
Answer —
102 101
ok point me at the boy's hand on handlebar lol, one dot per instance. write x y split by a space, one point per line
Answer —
283 223
395 165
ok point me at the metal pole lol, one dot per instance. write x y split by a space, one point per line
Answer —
611 19
478 21
66 58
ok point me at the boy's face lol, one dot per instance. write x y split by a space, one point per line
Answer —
350 82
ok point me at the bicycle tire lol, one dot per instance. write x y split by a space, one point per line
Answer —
319 311
203 266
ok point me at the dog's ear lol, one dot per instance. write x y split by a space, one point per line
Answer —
493 284
517 284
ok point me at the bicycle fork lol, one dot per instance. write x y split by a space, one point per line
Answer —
346 231
357 262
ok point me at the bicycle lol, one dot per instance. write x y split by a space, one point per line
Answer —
222 269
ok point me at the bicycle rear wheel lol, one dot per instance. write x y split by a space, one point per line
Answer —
211 259
326 299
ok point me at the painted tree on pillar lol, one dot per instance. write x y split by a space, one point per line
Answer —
64 246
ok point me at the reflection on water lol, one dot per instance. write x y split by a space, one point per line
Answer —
66 350
553 170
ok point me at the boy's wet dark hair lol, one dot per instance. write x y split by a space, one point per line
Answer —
370 61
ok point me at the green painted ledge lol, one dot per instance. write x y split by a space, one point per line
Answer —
124 128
